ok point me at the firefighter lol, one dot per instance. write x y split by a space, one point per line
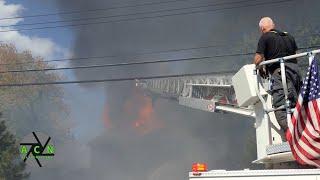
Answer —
276 44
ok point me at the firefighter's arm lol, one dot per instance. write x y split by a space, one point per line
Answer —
258 58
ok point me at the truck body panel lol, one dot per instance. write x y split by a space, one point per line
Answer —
283 174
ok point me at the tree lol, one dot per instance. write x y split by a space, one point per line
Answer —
31 108
11 166
28 108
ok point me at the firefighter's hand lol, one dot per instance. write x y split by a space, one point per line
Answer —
263 72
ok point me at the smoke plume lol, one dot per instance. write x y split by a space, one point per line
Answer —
154 138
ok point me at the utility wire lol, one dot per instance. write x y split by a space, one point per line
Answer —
131 14
203 58
128 55
147 17
118 79
111 79
117 56
90 10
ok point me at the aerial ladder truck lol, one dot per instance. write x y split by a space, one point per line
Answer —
244 93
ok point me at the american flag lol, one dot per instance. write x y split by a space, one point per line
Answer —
303 133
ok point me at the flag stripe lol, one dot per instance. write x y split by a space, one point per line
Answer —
309 121
313 114
296 112
300 155
313 150
306 134
306 122
303 132
308 116
303 145
316 110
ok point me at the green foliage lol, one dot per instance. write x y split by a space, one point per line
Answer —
11 166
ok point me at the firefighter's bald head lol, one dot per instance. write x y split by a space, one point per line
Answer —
266 24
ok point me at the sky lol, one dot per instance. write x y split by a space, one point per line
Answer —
61 37
55 44
187 132
150 35
48 44
87 104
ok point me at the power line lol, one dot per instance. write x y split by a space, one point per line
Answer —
90 10
117 56
132 14
128 55
147 17
126 64
111 79
203 58
120 79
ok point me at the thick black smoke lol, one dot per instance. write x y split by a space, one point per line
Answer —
221 140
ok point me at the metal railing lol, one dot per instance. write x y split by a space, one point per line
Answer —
310 54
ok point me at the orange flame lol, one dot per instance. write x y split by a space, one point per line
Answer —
146 121
140 113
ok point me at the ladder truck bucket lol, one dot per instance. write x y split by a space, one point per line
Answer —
272 147
242 93
245 84
251 93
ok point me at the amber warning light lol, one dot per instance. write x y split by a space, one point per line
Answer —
199 167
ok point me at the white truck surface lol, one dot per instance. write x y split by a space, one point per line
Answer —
281 174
